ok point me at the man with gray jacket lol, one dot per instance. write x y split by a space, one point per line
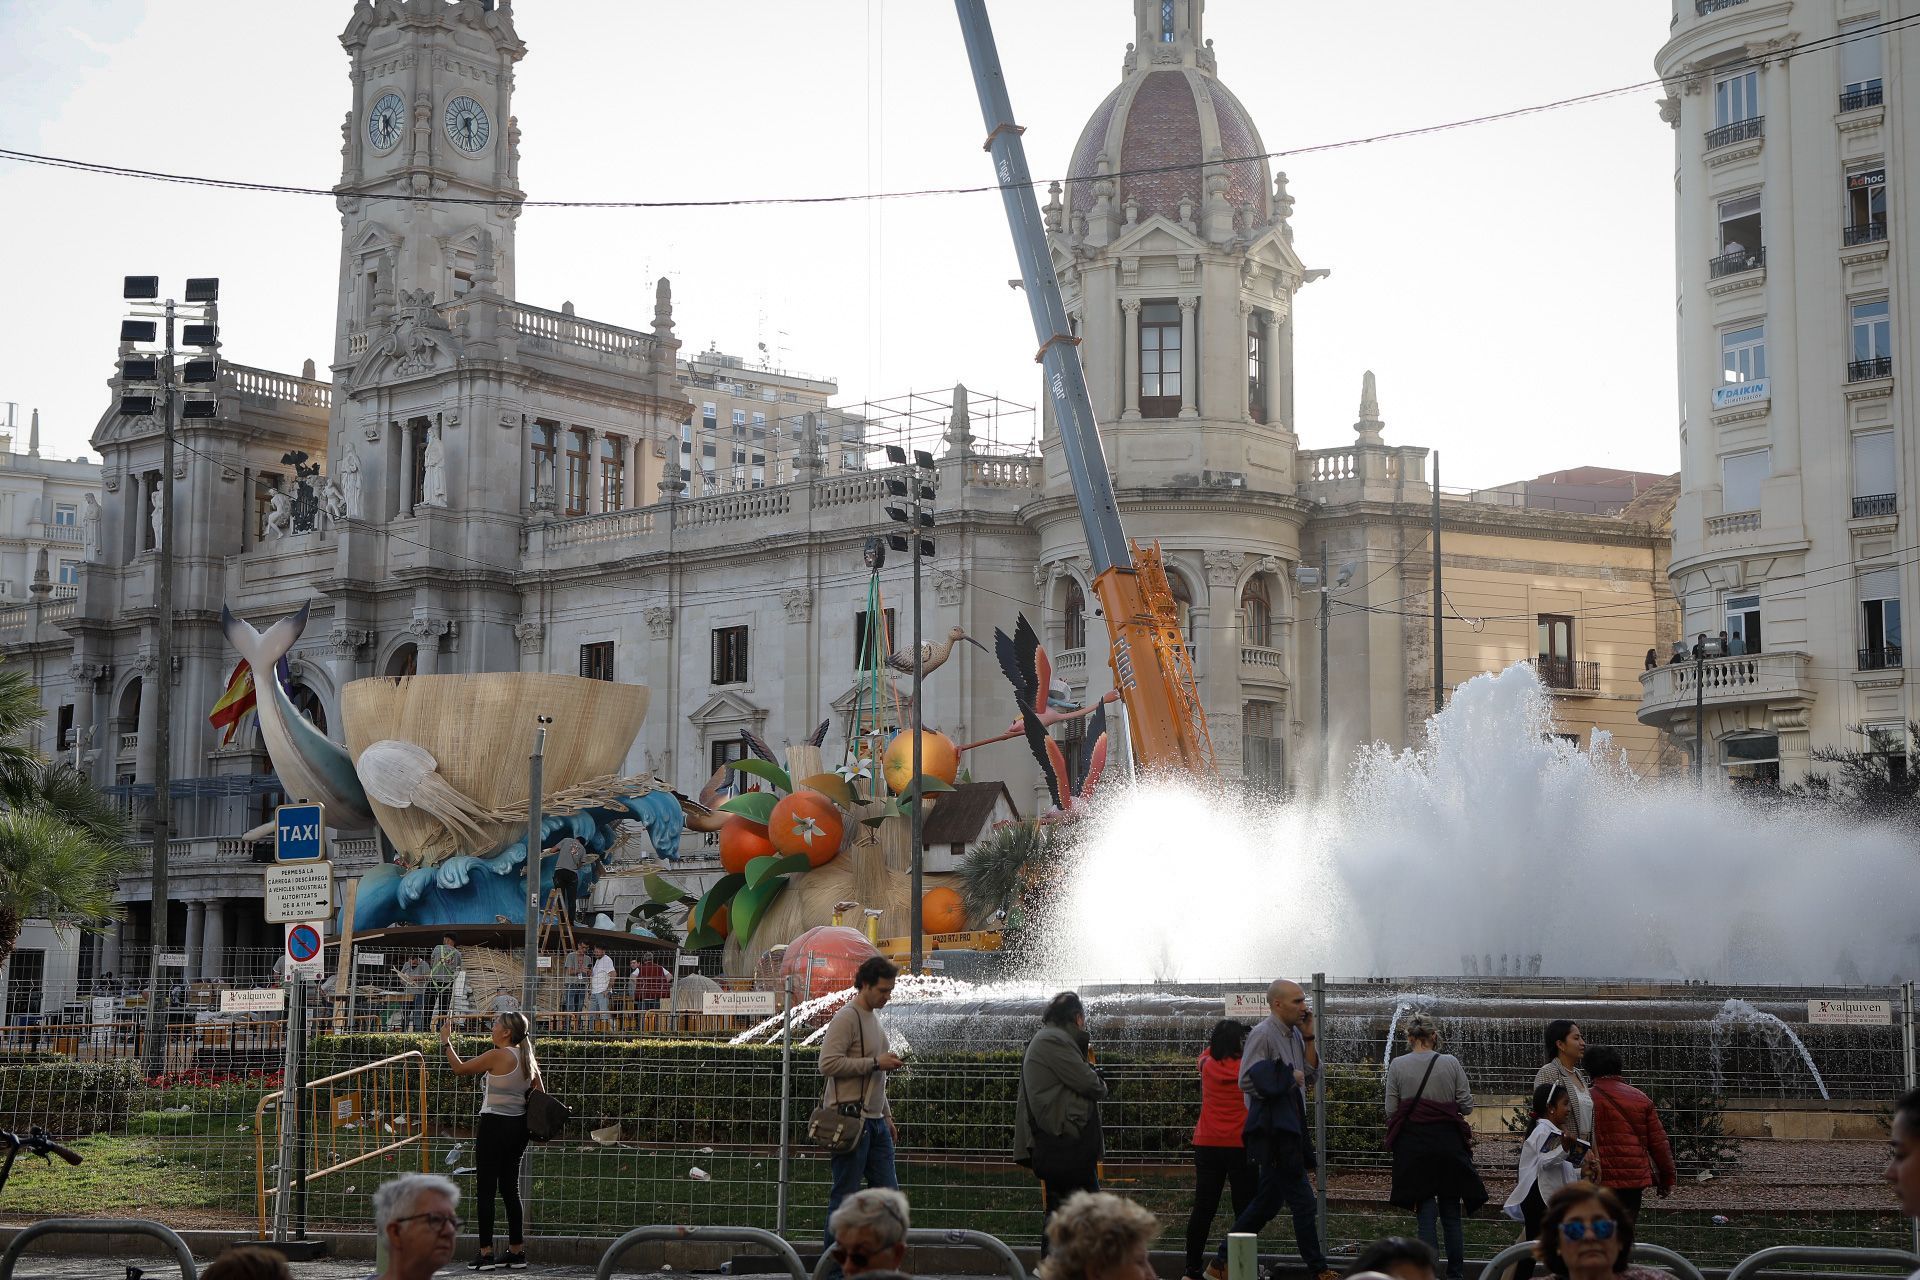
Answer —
855 1059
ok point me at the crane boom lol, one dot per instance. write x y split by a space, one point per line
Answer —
1151 666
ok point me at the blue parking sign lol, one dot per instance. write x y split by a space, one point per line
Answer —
299 833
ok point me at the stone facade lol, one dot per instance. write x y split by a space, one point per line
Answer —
474 518
1796 405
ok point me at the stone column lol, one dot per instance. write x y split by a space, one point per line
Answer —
144 762
213 940
1130 360
196 932
1189 359
1270 376
406 470
590 500
1220 685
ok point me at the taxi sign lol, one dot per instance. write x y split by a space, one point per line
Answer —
299 833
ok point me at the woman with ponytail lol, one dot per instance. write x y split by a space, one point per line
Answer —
501 1138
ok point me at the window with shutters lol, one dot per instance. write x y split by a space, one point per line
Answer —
1076 617
596 660
730 655
577 454
1160 359
613 472
724 752
869 642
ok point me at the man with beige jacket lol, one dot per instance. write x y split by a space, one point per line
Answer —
854 1058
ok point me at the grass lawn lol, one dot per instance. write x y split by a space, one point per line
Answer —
143 1177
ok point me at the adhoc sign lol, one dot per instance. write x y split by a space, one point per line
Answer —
299 833
299 891
1246 1004
1735 394
305 958
752 1002
253 1000
1855 1013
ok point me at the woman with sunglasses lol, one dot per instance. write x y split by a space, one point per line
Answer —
1549 1161
1585 1234
500 1139
869 1232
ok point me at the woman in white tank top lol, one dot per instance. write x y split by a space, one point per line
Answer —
509 1072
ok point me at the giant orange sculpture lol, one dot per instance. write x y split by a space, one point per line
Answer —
806 822
741 841
939 758
942 911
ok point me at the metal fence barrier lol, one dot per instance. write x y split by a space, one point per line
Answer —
957 1236
1760 1261
182 1256
736 1235
1641 1253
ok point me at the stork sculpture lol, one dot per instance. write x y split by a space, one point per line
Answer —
933 653
1068 803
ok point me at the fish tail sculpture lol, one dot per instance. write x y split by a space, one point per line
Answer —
312 767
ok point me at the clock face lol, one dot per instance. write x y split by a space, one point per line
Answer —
467 125
386 122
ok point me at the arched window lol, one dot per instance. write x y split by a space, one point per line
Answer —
1076 615
404 662
1256 611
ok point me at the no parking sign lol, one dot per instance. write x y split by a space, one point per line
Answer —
304 949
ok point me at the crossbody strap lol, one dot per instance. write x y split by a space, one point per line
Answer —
1432 1062
861 1023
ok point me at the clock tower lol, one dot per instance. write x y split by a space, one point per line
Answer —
429 157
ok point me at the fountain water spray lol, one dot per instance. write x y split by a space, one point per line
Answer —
1494 838
1738 1013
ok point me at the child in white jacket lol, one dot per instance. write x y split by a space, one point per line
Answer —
1549 1160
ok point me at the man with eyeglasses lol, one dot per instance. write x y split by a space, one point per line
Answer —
869 1232
414 1218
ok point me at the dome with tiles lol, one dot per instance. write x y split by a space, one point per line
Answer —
1168 120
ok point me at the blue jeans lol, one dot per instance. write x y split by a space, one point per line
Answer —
1283 1181
871 1159
574 1000
1447 1214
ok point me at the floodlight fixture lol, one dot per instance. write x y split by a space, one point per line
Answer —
896 488
143 287
203 289
137 406
921 458
926 493
140 369
199 409
897 514
198 371
926 519
1345 575
896 455
897 542
138 331
196 335
926 548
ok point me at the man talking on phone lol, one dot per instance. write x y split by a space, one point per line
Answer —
1279 1064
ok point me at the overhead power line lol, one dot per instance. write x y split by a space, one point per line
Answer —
1396 135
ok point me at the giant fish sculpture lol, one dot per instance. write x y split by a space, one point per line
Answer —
438 764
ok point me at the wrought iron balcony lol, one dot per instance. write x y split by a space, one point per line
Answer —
1859 99
1739 131
1878 504
1568 675
1867 232
1705 7
1885 658
1728 264
1866 370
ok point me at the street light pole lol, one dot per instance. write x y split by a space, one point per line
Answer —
160 902
529 978
1326 723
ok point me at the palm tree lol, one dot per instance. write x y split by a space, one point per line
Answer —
63 845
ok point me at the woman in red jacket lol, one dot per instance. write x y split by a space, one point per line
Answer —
1219 1150
1627 1134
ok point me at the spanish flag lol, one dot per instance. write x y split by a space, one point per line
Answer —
234 703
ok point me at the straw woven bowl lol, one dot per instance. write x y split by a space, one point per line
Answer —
480 730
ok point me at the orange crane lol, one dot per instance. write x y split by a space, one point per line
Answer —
1166 726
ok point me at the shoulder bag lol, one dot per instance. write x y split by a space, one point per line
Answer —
1398 1119
836 1126
547 1116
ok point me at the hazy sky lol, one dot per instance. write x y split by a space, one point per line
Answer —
1511 284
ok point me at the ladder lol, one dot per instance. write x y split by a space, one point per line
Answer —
555 912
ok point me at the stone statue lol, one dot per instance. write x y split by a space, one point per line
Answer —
90 530
433 484
158 518
333 505
279 512
349 481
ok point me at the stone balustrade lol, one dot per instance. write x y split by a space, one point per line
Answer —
1073 662
1005 473
1668 692
265 384
614 526
1733 522
1262 662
